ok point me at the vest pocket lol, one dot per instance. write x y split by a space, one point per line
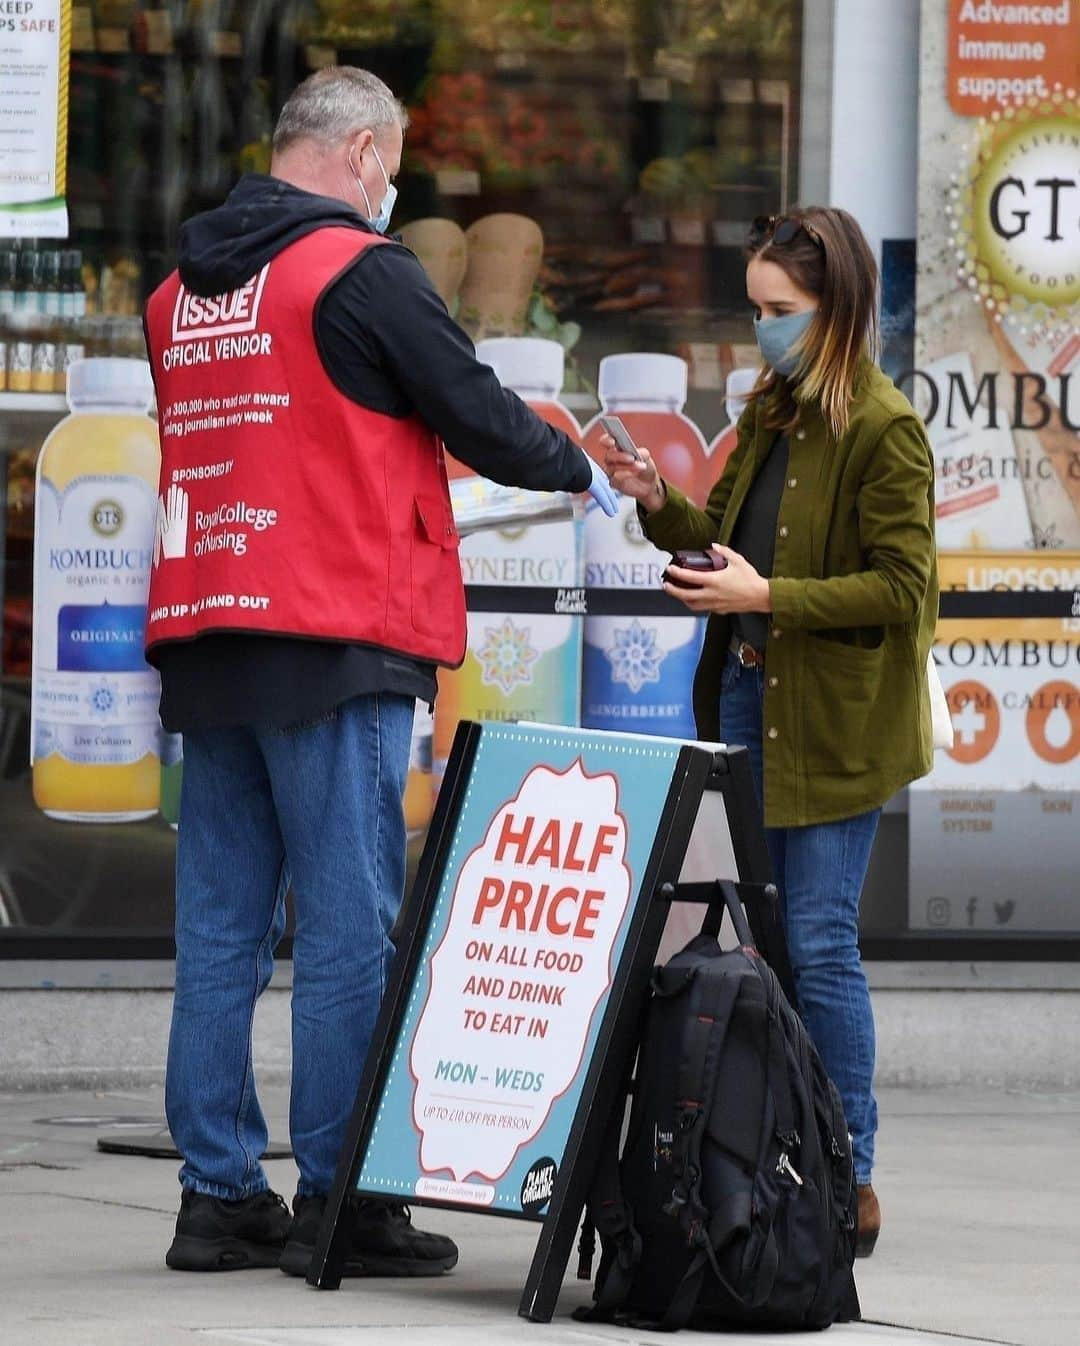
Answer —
434 535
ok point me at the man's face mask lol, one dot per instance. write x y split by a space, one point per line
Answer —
380 222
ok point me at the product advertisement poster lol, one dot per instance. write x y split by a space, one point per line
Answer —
518 666
997 379
555 831
637 673
35 39
95 742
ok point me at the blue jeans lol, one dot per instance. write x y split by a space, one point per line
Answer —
819 871
318 805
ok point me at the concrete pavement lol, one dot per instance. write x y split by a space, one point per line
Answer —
981 1194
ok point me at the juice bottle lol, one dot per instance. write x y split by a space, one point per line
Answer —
736 395
172 776
43 358
73 287
519 666
8 270
95 729
637 671
22 331
28 281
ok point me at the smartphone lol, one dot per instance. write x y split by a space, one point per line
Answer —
619 433
704 561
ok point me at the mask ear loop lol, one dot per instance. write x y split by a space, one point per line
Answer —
360 184
382 166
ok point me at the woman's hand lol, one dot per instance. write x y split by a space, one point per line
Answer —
639 480
736 588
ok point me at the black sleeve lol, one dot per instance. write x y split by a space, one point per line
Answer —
388 342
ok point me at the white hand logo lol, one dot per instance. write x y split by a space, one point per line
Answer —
170 537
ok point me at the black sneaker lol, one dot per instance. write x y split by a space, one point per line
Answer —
216 1235
385 1243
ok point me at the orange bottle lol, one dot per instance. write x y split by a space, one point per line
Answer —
518 666
736 397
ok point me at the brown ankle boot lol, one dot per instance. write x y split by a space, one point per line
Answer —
869 1226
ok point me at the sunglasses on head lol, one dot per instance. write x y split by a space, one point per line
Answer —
781 229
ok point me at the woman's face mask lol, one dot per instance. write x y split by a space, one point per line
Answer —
777 337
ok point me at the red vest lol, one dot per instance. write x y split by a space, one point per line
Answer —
285 507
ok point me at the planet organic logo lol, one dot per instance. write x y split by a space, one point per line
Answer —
1013 209
107 518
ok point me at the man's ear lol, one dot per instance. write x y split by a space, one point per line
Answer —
357 145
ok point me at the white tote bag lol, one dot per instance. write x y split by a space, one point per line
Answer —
940 720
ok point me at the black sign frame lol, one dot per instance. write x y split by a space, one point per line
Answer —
697 769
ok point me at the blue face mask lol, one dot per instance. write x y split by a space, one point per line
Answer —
381 222
776 338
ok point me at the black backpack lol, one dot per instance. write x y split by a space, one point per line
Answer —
733 1203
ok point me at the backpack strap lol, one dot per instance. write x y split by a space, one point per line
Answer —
711 1009
775 1063
586 1248
608 1215
703 1040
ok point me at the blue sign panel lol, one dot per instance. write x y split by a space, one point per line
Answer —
543 874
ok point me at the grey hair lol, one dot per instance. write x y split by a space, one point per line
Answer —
335 102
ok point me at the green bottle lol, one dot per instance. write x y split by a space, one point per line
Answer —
172 775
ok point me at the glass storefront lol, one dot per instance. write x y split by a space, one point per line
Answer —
576 174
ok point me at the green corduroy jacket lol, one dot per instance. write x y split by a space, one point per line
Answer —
854 597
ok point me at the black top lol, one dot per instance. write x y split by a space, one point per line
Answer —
388 343
755 535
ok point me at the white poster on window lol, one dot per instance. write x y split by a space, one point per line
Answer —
35 38
997 352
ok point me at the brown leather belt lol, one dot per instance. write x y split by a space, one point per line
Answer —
747 655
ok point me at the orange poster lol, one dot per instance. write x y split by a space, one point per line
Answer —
1000 52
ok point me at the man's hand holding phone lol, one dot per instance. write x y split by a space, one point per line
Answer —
630 467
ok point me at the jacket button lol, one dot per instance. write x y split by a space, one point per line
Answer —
800 434
792 482
777 632
783 530
774 732
774 681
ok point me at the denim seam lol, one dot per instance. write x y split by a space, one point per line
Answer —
252 1162
865 1067
379 787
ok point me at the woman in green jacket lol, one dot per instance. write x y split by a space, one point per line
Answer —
820 624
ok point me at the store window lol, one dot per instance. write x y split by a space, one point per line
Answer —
580 174
578 180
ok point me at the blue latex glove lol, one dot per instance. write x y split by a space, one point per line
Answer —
601 492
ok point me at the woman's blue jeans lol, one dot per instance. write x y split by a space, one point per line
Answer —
318 805
819 871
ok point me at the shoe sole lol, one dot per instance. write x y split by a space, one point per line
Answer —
227 1254
296 1259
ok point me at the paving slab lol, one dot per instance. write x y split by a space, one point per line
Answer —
981 1194
558 1334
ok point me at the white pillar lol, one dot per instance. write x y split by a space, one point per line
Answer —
875 103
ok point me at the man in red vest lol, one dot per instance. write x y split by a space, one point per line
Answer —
305 587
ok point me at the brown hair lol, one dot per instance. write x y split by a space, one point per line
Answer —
829 258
